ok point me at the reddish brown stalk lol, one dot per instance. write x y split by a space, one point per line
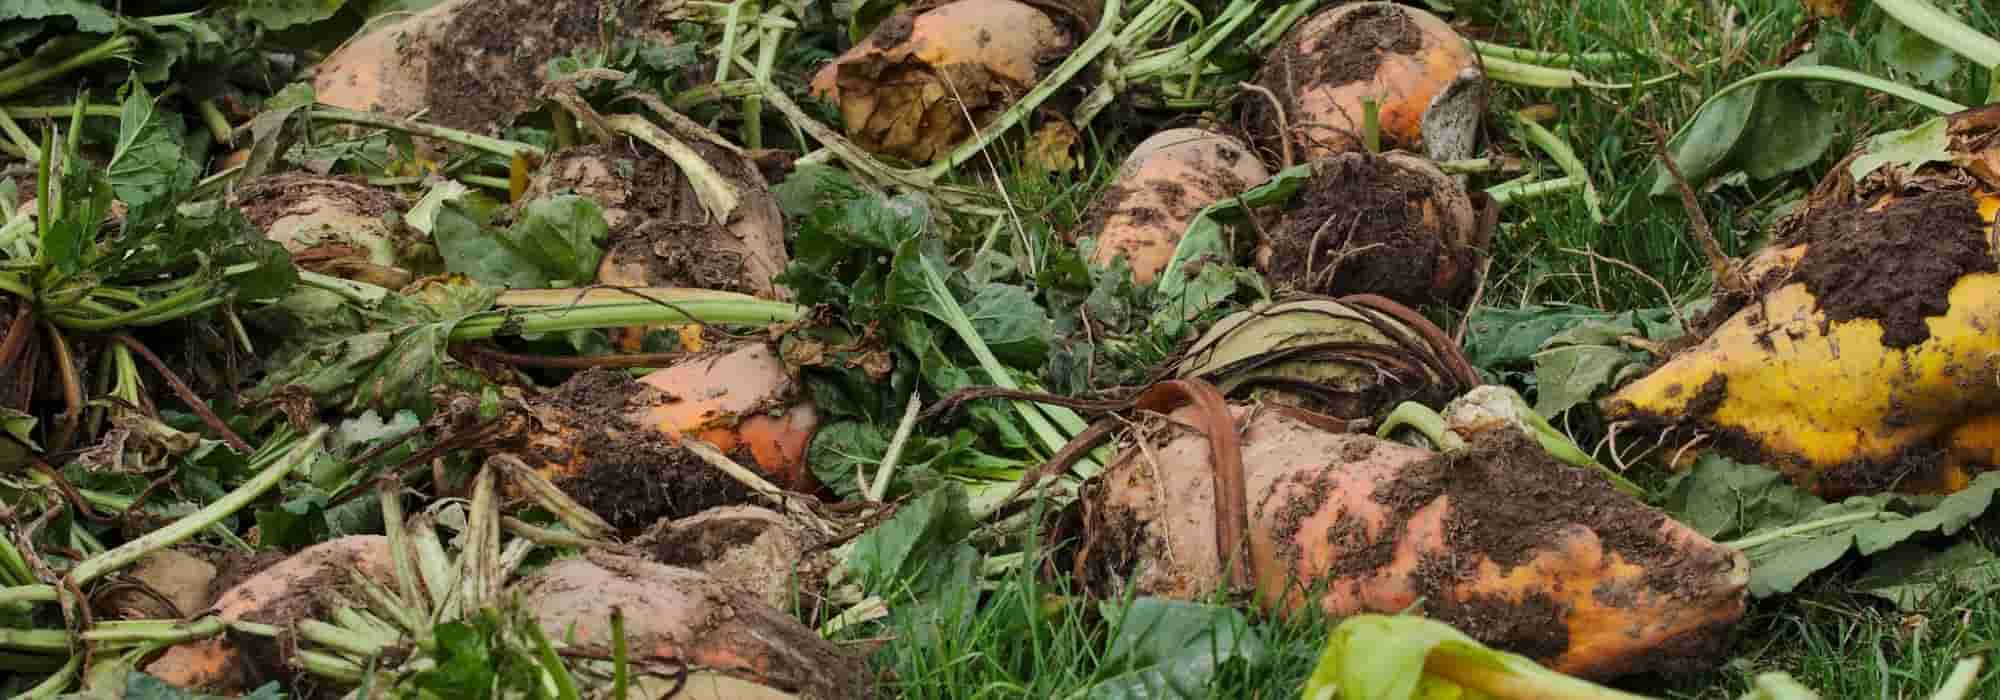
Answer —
187 395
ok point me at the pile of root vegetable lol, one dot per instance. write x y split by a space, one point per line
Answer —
691 349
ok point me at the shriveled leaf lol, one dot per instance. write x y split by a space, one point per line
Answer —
1175 649
1909 574
394 362
1907 149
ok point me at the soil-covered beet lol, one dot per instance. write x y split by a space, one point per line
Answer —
335 225
1319 73
1895 264
1168 179
631 475
476 64
1501 541
680 619
1392 225
750 547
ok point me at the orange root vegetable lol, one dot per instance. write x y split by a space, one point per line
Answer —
1392 225
687 620
1501 541
1168 178
165 584
334 225
752 548
285 593
613 443
471 64
918 85
662 233
1401 57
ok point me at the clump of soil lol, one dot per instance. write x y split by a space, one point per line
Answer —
1367 224
1896 266
674 254
267 199
339 226
746 546
631 475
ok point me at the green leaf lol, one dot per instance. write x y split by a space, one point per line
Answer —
1909 575
1379 657
88 16
470 249
280 14
1175 649
394 362
1704 147
1572 374
1012 324
1913 55
18 443
563 235
149 168
1789 132
921 534
1908 149
140 686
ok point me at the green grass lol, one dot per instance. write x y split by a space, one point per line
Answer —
1831 637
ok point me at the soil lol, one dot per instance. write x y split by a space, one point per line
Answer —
1358 226
895 30
1896 266
746 546
1349 50
660 233
235 567
488 64
630 475
673 254
267 199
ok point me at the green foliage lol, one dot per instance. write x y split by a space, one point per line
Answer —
1171 649
556 242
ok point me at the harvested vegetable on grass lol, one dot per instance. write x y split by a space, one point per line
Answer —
613 443
687 620
921 82
472 64
1351 358
166 584
1168 179
287 592
1392 225
1851 370
1500 540
1399 57
750 547
339 226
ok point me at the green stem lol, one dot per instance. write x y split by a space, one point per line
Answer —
1959 684
391 498
1565 158
712 92
500 147
106 50
56 682
1943 29
1759 540
1545 58
32 593
218 125
1425 421
620 667
164 631
1543 77
59 111
1371 124
39 641
621 314
1521 192
199 520
20 139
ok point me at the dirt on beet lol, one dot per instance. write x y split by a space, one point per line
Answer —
267 199
1502 492
1177 200
1362 225
660 233
1305 61
631 475
489 63
1896 266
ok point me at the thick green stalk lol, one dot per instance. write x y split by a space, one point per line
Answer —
501 147
32 593
747 312
1545 58
1509 193
1565 158
29 78
1426 422
56 682
179 530
1806 528
58 111
39 641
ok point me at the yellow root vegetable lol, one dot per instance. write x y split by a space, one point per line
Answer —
1499 540
1401 57
1870 363
336 226
1168 178
918 85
